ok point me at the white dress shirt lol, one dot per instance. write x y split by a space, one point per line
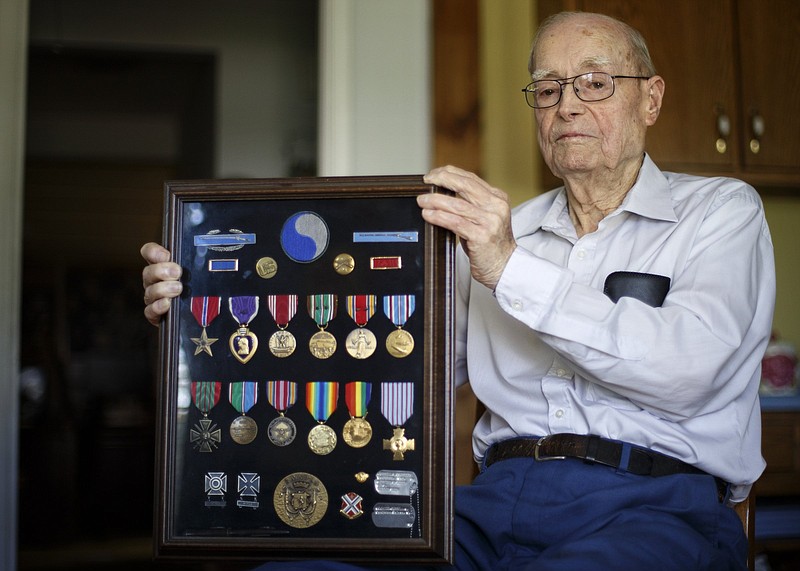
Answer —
549 352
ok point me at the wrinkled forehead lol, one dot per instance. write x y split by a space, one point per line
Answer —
579 45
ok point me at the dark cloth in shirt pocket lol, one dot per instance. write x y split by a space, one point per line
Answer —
647 288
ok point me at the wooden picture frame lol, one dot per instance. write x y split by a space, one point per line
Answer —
256 253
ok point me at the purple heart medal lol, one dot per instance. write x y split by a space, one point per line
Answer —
243 342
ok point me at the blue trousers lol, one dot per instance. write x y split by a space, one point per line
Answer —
566 515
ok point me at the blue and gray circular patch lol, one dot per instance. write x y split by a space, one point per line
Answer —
304 237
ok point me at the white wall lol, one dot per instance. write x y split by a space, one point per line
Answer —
375 87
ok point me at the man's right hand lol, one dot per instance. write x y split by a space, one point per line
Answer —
161 281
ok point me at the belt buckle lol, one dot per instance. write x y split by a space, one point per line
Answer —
538 457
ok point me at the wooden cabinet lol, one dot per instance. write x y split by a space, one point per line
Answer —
732 73
780 445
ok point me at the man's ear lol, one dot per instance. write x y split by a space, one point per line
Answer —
656 96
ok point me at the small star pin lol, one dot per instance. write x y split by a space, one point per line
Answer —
203 343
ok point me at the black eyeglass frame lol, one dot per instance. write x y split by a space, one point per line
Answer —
563 82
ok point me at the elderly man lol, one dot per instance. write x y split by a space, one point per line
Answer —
614 326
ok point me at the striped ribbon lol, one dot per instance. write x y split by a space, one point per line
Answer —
205 309
361 308
357 395
398 308
321 399
205 394
322 307
282 308
397 402
281 394
243 395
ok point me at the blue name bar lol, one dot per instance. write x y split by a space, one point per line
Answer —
224 239
401 236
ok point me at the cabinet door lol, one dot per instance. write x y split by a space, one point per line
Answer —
691 44
770 78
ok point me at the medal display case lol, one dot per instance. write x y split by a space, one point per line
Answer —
306 394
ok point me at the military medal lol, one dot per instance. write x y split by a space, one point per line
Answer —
205 310
243 342
216 484
243 395
398 308
322 309
282 395
219 242
300 500
283 308
321 400
361 342
397 405
357 431
248 485
205 436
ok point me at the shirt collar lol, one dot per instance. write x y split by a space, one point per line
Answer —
650 197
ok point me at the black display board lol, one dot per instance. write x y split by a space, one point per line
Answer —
306 394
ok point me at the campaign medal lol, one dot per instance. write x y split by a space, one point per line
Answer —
361 342
300 500
397 405
205 436
205 310
283 308
321 400
322 309
398 308
243 395
351 505
282 395
357 431
243 342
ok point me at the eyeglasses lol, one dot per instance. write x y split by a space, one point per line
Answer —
593 86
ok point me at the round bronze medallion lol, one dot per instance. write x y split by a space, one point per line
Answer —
360 343
343 264
243 430
322 439
300 500
266 267
282 343
399 343
281 431
357 432
322 344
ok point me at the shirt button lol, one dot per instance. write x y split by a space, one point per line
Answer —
581 254
559 413
517 305
561 372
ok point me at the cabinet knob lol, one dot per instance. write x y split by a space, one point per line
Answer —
723 130
757 127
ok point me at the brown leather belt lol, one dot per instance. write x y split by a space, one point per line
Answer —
593 450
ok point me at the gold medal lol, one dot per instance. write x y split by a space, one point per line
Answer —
243 430
398 308
357 432
398 444
361 343
282 343
266 267
322 439
300 500
322 308
343 264
281 431
322 344
399 343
